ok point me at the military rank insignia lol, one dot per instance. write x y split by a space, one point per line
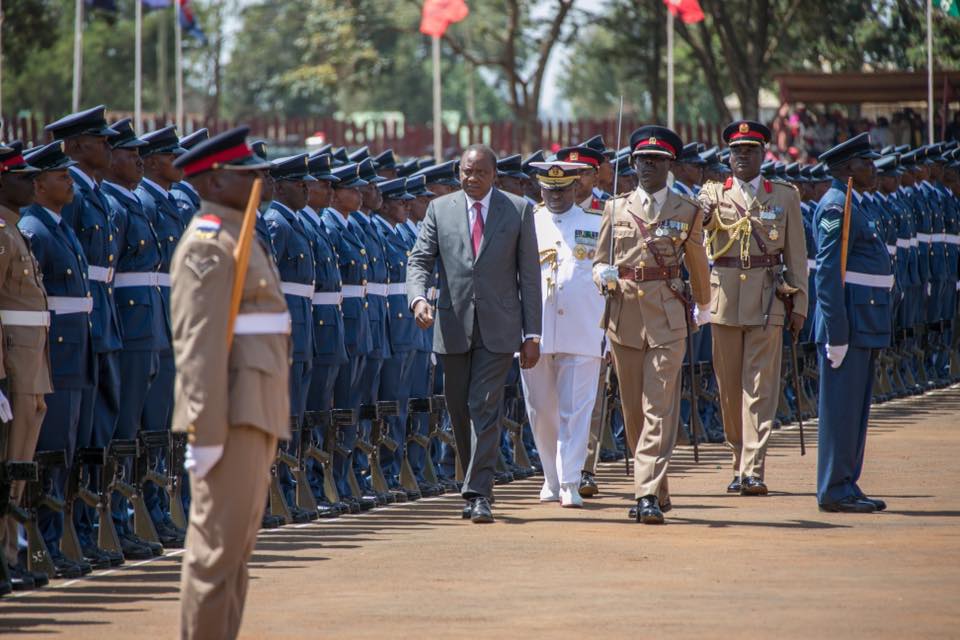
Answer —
586 243
207 226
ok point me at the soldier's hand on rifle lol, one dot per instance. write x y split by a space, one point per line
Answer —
702 315
424 314
796 324
6 413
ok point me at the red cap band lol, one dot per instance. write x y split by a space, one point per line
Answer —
576 156
14 161
238 152
753 135
655 142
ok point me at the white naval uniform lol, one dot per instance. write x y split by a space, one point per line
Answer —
560 391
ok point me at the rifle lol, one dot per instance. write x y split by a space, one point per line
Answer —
38 557
120 454
145 471
417 407
320 421
178 454
279 506
78 483
12 471
796 385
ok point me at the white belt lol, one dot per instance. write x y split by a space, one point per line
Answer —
327 297
811 265
140 279
62 305
25 318
903 243
100 274
914 242
939 237
397 289
952 238
297 289
432 293
923 237
869 280
892 249
958 285
376 289
353 291
249 324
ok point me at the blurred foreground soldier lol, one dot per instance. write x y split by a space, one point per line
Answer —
654 232
757 244
231 399
485 243
853 324
24 351
560 390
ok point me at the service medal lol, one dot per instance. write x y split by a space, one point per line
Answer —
580 252
774 234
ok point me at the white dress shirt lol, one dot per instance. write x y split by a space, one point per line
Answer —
755 183
472 212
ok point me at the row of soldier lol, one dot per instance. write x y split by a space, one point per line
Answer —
102 224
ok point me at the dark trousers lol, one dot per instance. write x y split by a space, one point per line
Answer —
844 411
346 395
395 381
473 386
320 398
58 431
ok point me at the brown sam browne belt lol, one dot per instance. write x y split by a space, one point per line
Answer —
646 274
756 262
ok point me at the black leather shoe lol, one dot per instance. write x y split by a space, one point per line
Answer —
327 510
367 502
502 477
169 537
155 547
399 495
19 580
734 487
271 522
97 558
877 502
428 490
666 506
467 510
481 513
851 504
63 568
752 487
588 485
40 579
5 588
648 512
133 550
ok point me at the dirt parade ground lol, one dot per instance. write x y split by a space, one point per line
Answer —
723 566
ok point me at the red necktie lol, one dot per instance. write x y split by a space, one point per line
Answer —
476 234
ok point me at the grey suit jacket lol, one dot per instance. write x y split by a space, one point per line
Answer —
501 287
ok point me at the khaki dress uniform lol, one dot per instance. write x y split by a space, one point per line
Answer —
751 260
25 354
648 324
234 404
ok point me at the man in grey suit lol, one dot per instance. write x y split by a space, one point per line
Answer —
489 308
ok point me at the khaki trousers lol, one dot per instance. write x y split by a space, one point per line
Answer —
650 396
28 412
747 364
225 513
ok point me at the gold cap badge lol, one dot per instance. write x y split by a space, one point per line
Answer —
744 127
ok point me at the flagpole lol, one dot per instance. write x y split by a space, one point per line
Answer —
437 119
178 62
77 52
138 68
930 71
670 69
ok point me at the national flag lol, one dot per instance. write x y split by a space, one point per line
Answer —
688 11
440 14
951 7
188 22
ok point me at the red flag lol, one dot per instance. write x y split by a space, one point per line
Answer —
688 11
440 14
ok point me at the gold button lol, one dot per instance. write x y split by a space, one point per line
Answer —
263 282
399 315
131 303
110 238
364 267
366 304
301 256
143 242
97 227
69 272
328 258
26 272
743 276
640 293
60 339
401 264
363 252
872 302
321 323
110 258
352 262
374 258
109 290
641 264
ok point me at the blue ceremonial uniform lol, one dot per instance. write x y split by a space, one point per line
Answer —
72 360
353 264
91 218
856 313
938 256
188 200
329 352
405 338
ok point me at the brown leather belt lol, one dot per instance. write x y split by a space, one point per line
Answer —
756 262
646 274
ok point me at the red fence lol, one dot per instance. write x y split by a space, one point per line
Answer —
405 140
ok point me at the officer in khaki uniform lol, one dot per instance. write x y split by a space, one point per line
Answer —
24 348
756 240
231 399
655 230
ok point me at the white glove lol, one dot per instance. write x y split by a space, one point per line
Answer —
929 288
702 315
609 274
836 355
6 413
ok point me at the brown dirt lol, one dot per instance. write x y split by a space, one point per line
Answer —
723 566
